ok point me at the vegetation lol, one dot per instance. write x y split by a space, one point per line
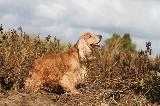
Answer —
125 40
119 76
17 52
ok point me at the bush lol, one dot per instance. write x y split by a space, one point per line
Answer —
117 72
17 53
114 76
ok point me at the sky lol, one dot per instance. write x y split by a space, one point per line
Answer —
68 19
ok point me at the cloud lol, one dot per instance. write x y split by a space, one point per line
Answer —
67 19
132 16
53 11
9 17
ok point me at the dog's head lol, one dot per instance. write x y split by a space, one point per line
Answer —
85 45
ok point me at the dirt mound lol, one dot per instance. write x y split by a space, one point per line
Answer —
46 99
23 99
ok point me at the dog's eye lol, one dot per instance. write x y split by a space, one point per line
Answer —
89 36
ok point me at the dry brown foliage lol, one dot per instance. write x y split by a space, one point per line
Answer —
118 77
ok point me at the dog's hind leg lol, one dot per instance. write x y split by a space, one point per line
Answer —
33 84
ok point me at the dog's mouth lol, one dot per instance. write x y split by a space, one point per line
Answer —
96 45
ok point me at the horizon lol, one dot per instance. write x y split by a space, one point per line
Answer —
104 38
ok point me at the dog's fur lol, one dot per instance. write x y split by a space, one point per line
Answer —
63 69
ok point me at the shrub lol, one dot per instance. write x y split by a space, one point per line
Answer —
17 53
115 73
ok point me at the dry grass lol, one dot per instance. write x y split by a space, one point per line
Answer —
17 52
118 77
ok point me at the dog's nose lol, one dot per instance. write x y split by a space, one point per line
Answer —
100 36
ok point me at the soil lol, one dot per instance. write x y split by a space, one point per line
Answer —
15 98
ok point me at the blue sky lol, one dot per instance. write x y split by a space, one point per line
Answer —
67 19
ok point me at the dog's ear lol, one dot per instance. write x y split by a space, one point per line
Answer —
81 49
84 50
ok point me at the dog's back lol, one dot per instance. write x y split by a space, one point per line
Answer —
48 70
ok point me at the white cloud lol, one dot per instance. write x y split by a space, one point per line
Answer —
69 18
137 17
53 11
9 19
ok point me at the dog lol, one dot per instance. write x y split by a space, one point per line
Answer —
64 69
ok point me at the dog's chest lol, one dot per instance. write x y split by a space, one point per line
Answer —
80 73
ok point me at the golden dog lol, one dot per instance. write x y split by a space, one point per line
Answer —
64 69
